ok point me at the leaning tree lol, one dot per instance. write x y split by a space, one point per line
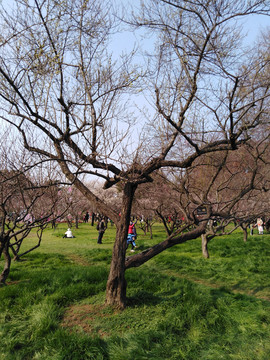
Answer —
66 96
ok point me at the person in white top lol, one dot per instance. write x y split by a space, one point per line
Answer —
68 234
260 226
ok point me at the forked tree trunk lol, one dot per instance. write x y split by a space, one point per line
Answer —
204 246
244 227
116 284
7 262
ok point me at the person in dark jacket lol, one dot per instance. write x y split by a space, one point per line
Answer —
101 230
86 217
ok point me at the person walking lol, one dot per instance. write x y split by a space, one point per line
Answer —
101 230
86 217
93 216
132 235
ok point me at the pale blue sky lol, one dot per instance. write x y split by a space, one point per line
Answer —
253 25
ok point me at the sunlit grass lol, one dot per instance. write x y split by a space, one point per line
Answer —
180 305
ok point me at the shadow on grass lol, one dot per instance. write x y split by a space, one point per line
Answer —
144 298
240 288
139 249
225 292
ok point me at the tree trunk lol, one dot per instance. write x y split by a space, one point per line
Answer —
6 269
244 227
204 246
245 234
116 284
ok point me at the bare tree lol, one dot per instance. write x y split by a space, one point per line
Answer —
234 184
28 201
159 200
20 214
61 90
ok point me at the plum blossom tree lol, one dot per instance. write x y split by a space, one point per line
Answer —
65 95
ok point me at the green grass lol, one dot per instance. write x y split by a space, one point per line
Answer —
180 305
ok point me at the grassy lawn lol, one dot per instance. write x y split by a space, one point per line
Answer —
180 305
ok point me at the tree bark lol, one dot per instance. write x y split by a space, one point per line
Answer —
244 227
204 246
151 232
116 284
6 269
245 234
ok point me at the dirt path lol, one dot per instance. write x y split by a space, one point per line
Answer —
78 259
216 285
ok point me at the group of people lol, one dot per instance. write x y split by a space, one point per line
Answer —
259 224
102 226
132 234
